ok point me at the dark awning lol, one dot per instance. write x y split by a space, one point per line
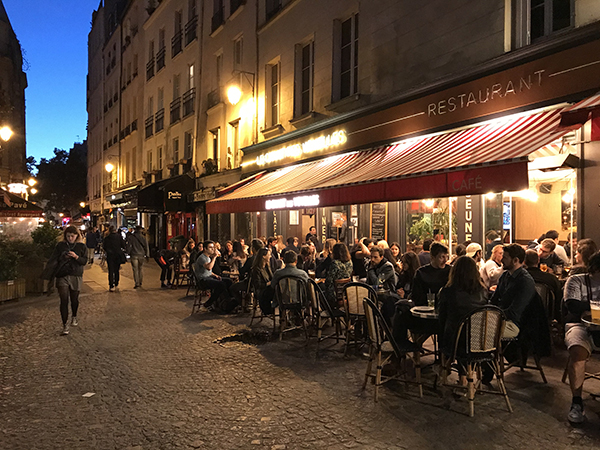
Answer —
12 205
166 195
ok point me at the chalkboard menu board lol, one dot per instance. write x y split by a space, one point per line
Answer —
378 221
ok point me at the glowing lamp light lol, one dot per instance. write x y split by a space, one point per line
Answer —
490 196
428 203
82 204
33 191
568 197
234 94
31 182
109 167
60 214
5 133
17 188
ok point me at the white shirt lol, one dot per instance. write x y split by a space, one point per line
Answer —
490 273
561 253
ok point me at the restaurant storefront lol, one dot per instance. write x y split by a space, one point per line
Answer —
502 150
165 211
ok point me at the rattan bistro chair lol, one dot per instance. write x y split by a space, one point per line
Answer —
354 293
292 301
201 293
322 312
477 342
382 348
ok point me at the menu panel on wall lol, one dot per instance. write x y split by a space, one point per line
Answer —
378 221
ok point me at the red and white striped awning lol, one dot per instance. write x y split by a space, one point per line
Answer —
590 103
578 114
490 157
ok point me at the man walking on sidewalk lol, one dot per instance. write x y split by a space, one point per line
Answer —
137 247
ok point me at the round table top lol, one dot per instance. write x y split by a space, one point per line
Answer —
424 312
586 319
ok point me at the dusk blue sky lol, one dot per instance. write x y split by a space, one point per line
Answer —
53 35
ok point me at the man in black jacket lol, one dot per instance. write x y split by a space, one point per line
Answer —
532 262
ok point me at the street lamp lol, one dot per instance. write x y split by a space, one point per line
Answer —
32 182
5 133
109 167
234 95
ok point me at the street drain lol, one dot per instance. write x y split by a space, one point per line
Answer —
249 337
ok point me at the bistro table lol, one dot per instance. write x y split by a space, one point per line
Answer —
424 312
586 320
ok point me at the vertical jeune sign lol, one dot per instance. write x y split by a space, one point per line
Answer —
469 218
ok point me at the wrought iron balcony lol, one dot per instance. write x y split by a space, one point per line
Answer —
160 58
159 120
149 126
176 43
150 68
191 30
188 102
176 110
214 98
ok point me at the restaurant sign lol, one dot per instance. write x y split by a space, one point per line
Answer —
549 79
301 201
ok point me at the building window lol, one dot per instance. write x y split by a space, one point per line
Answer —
176 150
176 42
150 167
160 55
218 15
215 144
348 58
176 103
237 53
272 111
304 79
272 7
187 145
192 24
535 19
134 164
233 149
150 64
159 157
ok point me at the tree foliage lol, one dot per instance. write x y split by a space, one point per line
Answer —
62 180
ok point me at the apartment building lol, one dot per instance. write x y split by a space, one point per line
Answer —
326 114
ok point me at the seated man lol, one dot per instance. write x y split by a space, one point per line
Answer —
515 291
492 269
205 276
579 290
381 273
548 256
559 250
290 259
429 279
532 262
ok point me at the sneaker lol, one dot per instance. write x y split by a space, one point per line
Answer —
111 289
74 322
576 414
136 286
65 330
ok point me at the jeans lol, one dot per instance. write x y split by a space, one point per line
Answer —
114 266
217 287
90 255
64 292
137 262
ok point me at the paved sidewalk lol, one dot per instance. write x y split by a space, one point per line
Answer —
160 382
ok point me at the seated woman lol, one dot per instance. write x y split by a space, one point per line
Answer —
305 259
186 253
237 261
396 254
463 294
260 277
340 268
324 260
409 263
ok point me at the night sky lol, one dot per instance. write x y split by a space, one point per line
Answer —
53 35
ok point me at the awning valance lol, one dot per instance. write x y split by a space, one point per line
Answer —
12 205
490 157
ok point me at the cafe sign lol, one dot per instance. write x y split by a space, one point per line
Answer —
301 201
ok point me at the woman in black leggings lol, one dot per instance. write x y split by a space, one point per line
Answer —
70 257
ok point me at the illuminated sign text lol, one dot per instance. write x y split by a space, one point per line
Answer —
297 202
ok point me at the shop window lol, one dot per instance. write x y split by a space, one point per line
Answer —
535 19
304 79
346 59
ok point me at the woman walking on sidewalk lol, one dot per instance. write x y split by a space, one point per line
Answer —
113 246
70 257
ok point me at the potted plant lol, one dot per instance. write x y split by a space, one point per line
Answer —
10 286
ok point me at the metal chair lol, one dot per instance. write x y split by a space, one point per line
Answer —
201 294
548 300
180 275
354 293
292 301
322 312
382 347
478 341
256 311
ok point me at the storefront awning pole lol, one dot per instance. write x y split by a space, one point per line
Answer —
571 231
450 225
510 235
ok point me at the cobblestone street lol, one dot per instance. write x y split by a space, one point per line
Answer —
160 382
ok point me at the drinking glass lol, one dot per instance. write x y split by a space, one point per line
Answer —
595 307
431 299
544 267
